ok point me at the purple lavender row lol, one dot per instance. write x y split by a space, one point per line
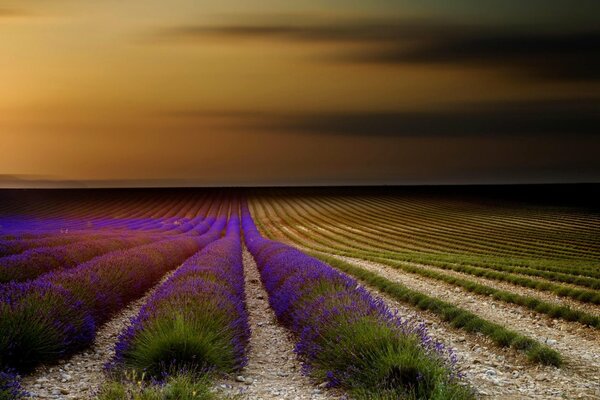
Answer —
119 228
345 335
197 320
11 247
45 319
23 228
38 261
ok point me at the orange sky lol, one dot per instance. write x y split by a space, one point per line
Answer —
108 90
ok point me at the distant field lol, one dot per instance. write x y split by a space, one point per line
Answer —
508 278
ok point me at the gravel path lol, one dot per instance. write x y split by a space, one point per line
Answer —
80 376
510 373
273 370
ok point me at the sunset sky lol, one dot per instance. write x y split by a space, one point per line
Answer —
148 92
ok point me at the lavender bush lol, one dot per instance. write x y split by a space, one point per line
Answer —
197 320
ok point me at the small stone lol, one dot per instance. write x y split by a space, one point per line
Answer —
461 339
240 378
551 342
248 381
64 391
490 372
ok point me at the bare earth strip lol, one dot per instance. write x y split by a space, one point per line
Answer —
579 378
81 376
273 370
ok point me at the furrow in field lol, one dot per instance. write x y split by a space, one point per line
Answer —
273 370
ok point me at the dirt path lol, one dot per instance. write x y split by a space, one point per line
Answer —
80 376
273 370
513 375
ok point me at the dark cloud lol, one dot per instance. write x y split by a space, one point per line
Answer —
540 52
564 117
567 56
363 31
568 117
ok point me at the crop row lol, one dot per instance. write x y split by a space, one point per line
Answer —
103 205
345 335
197 319
97 215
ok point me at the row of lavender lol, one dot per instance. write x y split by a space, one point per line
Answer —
195 322
63 226
24 259
346 336
39 260
59 312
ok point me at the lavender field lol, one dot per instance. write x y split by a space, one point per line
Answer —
297 294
